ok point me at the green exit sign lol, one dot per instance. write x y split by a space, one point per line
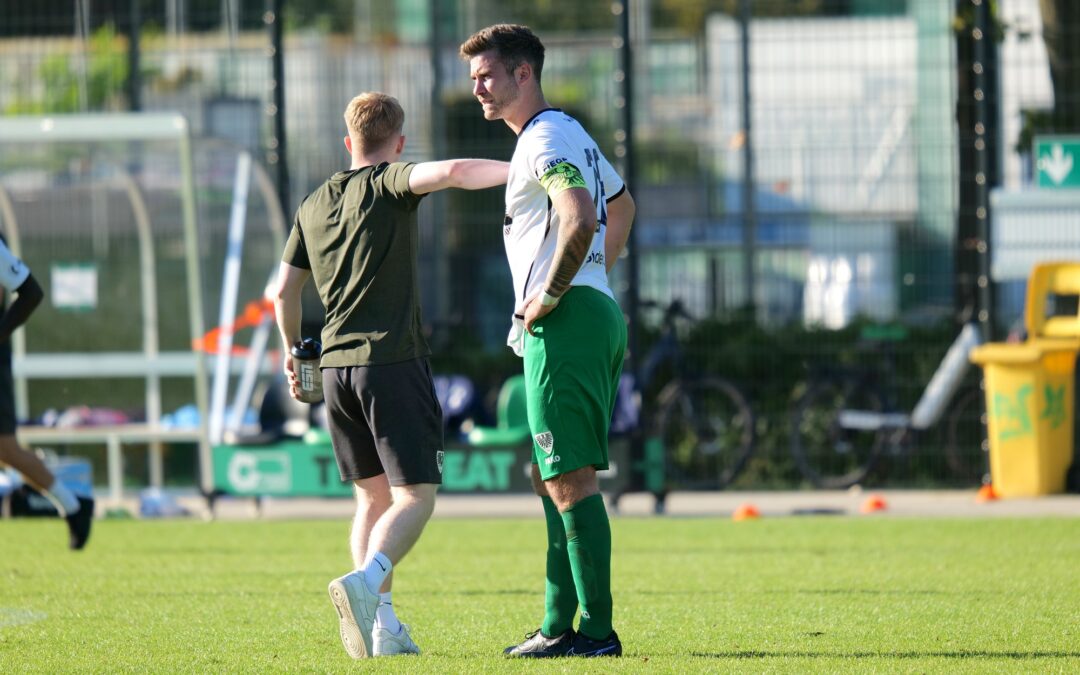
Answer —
1057 162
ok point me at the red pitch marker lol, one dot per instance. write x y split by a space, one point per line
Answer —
986 493
746 511
873 504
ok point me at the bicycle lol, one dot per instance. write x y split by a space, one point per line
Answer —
705 422
844 421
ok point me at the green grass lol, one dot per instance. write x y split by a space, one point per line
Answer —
691 595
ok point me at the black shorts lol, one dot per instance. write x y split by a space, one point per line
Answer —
385 419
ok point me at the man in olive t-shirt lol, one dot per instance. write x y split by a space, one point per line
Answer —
356 236
360 226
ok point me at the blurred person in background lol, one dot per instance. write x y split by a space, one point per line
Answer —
568 216
356 236
78 511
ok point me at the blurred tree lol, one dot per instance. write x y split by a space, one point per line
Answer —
545 16
106 73
58 17
688 16
331 16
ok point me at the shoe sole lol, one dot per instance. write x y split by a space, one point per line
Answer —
356 640
510 653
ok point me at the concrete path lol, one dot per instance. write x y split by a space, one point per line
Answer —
898 503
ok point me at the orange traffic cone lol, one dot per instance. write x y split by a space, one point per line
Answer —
746 511
986 493
873 504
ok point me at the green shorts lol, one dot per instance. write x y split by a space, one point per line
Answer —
572 368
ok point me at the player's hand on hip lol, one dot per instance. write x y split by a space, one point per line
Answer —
535 311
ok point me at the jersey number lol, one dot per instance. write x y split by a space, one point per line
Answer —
593 158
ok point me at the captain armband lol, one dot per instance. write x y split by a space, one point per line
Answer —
561 177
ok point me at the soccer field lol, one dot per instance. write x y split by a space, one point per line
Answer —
691 595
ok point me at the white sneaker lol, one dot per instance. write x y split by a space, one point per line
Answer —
356 606
391 644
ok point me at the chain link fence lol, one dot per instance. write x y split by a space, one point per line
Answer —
804 171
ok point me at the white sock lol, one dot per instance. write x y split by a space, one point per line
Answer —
67 499
384 614
376 570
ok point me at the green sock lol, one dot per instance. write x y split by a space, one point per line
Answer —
588 540
560 598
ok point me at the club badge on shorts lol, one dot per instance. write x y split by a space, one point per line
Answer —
545 441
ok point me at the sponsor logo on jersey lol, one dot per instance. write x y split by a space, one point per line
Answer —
545 441
552 164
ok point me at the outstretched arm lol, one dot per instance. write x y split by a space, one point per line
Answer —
27 298
468 174
620 218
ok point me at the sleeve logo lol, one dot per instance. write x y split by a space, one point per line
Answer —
551 165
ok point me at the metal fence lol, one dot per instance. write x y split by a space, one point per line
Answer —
802 170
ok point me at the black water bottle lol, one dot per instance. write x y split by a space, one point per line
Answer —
305 359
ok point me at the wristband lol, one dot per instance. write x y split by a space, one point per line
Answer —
548 300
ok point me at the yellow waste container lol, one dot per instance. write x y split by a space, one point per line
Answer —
1029 404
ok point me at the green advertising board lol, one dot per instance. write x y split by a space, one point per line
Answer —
300 469
1057 162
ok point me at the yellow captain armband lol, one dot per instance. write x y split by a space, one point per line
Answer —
560 177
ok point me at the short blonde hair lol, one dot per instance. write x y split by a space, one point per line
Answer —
373 119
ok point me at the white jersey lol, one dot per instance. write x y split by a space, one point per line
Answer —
13 272
553 153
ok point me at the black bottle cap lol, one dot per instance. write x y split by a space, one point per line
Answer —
308 348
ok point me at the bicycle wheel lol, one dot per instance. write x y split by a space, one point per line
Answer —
707 428
965 431
826 453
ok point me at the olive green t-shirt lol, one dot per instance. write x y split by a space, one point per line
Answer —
357 234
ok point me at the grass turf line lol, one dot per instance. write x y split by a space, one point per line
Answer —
691 595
